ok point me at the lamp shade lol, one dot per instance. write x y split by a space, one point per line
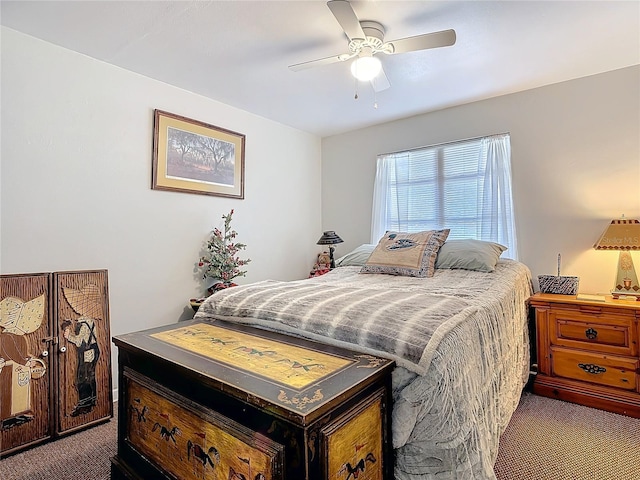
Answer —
329 238
621 234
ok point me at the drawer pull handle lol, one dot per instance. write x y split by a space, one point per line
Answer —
591 333
591 368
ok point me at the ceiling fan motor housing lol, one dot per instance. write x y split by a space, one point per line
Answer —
374 39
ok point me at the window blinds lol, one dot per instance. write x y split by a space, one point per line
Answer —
464 186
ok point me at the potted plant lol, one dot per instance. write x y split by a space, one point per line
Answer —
222 263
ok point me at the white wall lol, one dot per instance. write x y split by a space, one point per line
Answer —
75 185
75 170
575 166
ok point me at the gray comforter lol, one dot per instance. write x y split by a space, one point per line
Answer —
459 338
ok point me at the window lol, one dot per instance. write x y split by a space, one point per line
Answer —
464 186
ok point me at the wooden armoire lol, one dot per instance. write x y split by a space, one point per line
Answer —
55 356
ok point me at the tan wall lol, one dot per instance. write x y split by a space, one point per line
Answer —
575 165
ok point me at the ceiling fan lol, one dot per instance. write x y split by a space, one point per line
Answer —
366 40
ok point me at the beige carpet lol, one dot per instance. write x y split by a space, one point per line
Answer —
546 440
552 440
80 456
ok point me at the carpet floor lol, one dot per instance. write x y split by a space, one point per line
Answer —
552 440
546 440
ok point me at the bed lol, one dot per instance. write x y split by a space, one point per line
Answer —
459 338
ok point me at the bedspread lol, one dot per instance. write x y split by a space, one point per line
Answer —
459 338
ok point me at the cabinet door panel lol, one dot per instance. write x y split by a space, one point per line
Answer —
81 302
26 373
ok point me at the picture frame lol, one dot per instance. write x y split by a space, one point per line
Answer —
195 157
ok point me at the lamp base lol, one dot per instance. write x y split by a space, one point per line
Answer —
624 295
626 278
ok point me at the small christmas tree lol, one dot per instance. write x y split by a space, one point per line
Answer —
222 263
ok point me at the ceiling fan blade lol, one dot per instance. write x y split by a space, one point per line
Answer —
445 38
347 18
380 82
317 63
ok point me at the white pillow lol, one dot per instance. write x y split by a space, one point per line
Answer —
469 254
357 257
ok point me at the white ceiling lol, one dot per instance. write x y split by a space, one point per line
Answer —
237 52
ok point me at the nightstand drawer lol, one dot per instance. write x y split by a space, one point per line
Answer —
613 371
598 333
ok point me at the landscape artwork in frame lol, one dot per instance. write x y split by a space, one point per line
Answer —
195 157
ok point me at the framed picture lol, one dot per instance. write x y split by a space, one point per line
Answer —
195 157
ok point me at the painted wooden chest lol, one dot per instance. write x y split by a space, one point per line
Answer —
210 399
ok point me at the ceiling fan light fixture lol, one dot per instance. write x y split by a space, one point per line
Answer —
366 68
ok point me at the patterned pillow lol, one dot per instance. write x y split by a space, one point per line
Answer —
408 254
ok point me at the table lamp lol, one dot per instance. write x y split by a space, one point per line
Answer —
330 238
624 235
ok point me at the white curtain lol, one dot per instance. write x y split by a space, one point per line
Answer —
493 201
380 213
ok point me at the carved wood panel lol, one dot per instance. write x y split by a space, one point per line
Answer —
25 373
55 356
82 312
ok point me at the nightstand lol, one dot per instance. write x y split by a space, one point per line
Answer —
588 351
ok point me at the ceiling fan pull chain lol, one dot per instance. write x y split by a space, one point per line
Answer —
375 99
356 89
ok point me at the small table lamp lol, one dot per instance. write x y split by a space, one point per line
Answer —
330 238
623 234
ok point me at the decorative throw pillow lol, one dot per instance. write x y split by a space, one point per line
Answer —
408 254
469 254
357 257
